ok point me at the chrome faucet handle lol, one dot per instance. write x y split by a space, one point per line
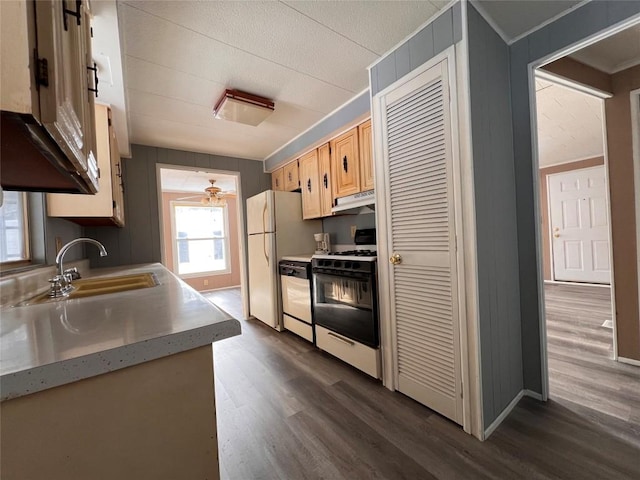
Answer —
72 274
55 289
60 286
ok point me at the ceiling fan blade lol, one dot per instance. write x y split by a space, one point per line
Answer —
187 198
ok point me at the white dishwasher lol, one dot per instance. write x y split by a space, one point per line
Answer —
295 280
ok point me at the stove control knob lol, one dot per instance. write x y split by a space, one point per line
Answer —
355 265
337 263
347 264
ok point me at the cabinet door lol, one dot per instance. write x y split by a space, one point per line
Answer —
277 180
117 183
366 159
324 170
66 105
291 177
345 167
310 185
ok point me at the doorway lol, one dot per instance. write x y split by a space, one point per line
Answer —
577 227
574 204
202 228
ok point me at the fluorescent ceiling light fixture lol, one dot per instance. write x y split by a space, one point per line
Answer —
241 107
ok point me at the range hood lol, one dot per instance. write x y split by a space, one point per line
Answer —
363 202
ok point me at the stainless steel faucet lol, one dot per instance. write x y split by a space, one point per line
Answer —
61 283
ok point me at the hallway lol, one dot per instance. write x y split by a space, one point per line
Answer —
582 375
288 411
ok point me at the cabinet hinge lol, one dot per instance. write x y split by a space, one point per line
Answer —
329 149
91 30
41 70
98 172
461 387
114 204
109 121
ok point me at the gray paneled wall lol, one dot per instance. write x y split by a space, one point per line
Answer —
587 20
444 31
357 107
339 226
495 205
139 240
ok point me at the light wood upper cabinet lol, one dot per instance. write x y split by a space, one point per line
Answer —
324 171
345 165
291 177
107 206
310 186
47 80
366 157
277 180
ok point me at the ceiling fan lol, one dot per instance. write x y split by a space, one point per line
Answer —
213 196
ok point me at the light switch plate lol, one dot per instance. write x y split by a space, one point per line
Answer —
353 231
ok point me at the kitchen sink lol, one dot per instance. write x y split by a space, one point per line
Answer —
90 287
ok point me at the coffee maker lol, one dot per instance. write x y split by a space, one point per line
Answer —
322 243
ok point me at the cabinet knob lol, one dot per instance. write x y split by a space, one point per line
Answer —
309 185
326 181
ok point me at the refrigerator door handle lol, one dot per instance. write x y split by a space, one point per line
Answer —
264 247
264 232
264 220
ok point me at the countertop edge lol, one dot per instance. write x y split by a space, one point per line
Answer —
26 382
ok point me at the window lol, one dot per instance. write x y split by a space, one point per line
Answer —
14 236
201 243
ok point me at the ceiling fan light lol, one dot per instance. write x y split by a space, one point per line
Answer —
241 107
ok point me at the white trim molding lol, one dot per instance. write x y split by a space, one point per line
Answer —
629 361
572 84
503 415
635 129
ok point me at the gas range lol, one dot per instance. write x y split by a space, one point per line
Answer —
348 255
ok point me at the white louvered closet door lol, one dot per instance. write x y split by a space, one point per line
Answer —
420 213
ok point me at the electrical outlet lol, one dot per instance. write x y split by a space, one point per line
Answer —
353 231
206 282
58 244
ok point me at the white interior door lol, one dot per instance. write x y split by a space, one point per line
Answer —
418 171
580 225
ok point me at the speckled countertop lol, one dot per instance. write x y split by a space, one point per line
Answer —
52 344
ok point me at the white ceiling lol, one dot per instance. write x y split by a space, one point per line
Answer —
515 18
172 180
309 57
613 54
569 124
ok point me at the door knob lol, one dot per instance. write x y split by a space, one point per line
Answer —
395 259
556 235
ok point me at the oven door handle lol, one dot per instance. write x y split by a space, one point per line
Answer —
363 277
340 338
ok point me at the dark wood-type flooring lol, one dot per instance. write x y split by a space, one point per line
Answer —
288 411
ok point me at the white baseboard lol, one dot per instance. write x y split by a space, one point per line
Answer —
505 413
629 361
577 284
532 394
218 289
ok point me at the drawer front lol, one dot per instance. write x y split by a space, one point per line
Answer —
360 356
299 328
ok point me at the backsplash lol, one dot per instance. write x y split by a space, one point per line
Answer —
339 226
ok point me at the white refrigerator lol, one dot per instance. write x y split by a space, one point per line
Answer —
275 229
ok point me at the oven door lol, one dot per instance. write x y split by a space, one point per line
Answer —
347 305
